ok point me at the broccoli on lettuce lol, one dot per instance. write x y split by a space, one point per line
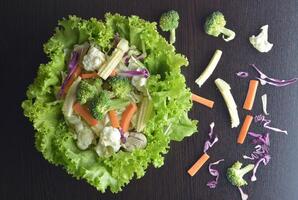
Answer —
166 85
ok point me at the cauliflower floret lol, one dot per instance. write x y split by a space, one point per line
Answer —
260 42
109 142
93 59
85 138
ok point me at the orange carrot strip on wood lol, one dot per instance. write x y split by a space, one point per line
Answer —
244 129
251 94
114 119
195 168
127 116
89 75
72 78
85 114
201 100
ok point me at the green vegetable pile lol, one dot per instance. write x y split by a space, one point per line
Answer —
170 101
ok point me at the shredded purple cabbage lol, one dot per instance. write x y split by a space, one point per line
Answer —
243 195
139 72
214 172
208 143
261 118
72 65
261 152
265 161
122 136
242 74
264 79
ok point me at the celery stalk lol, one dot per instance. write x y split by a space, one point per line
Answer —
224 89
144 114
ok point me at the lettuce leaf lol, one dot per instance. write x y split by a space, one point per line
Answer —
171 101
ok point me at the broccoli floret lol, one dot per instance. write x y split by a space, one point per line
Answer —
215 25
87 89
121 86
235 173
169 21
100 104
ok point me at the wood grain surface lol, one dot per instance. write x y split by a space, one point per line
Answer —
26 25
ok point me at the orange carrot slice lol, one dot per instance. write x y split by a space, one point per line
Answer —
114 119
89 75
202 100
127 116
195 168
244 129
114 73
251 94
85 114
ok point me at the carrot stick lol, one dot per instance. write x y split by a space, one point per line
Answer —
244 129
127 116
85 114
195 168
251 94
201 100
114 73
114 119
89 75
72 78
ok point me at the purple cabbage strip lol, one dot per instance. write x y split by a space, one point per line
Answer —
130 73
243 195
261 152
122 136
264 79
212 183
242 74
259 138
208 144
72 65
261 118
265 161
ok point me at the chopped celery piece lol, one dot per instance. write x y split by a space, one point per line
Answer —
70 98
144 113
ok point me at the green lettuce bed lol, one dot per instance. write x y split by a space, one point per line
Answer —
166 85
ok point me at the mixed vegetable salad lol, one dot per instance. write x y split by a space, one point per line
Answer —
113 97
110 100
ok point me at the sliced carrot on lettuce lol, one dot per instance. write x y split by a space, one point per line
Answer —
85 114
127 116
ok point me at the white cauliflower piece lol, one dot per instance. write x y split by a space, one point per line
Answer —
93 59
260 42
109 142
85 138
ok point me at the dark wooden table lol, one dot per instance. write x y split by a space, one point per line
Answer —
26 25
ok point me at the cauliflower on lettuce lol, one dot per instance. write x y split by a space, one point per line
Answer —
166 85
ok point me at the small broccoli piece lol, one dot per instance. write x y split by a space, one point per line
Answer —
100 104
235 173
87 89
215 25
121 86
169 21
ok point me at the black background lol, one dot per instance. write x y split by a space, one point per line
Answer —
26 25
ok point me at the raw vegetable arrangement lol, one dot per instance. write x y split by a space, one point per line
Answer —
214 26
112 98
